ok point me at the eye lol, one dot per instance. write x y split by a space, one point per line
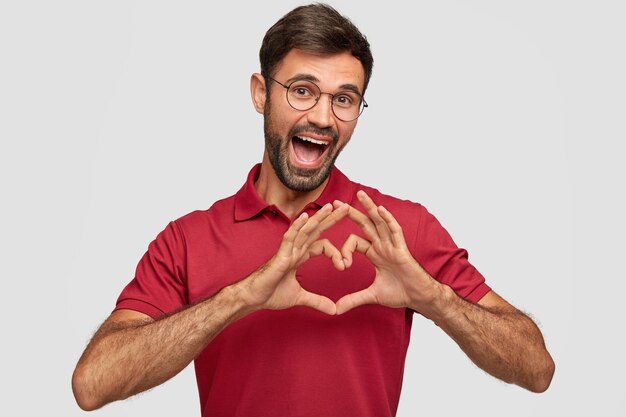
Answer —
301 91
345 99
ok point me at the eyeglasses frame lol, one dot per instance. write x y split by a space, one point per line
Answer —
317 99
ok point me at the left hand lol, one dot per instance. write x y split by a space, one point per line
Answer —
400 280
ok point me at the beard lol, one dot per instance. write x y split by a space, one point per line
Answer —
293 177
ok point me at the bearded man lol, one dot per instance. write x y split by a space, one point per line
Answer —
295 296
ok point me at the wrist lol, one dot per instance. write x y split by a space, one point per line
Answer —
243 297
433 299
253 292
443 304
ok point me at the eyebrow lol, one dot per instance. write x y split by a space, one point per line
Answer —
303 77
314 79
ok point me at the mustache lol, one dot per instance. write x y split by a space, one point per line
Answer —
330 132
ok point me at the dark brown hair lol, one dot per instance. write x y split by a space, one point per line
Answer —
316 28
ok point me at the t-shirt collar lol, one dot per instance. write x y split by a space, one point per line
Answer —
248 203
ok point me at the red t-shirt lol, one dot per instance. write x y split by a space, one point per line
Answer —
299 361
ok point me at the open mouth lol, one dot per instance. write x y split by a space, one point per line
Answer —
308 151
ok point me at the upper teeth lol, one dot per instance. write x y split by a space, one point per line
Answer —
317 142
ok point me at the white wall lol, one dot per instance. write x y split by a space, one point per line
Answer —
506 119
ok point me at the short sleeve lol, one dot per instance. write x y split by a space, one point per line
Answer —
158 287
445 261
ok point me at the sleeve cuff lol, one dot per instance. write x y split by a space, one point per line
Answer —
140 306
478 293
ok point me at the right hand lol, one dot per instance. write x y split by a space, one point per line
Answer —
274 285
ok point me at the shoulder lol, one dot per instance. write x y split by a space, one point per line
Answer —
199 220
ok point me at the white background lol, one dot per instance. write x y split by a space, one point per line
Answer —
506 119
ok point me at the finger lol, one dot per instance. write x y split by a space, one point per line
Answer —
324 247
353 244
316 301
397 236
363 222
338 203
325 222
356 299
309 232
290 235
339 212
372 211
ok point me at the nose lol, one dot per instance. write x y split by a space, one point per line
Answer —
321 114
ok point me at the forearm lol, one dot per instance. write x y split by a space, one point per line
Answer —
504 342
124 359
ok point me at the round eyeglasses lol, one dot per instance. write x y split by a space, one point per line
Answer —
303 95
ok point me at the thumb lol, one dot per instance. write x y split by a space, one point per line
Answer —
316 301
356 299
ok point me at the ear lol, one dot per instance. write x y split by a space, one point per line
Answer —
258 92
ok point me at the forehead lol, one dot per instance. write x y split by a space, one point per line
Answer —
330 71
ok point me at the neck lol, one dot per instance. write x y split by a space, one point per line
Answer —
271 189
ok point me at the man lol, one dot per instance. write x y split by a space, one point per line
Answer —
295 296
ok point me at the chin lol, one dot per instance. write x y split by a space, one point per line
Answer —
303 179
